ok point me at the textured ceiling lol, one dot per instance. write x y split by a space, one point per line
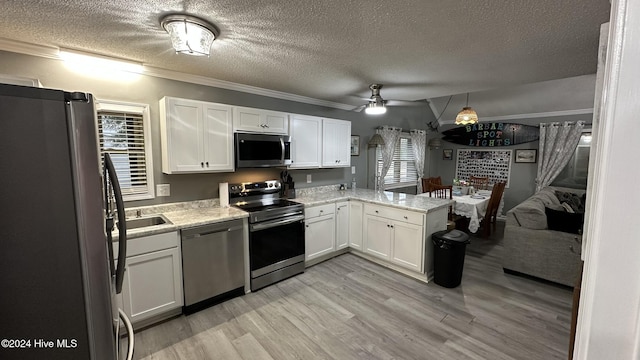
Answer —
333 49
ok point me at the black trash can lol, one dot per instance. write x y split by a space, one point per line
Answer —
448 256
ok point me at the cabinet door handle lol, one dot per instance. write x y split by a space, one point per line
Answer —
406 217
201 164
391 226
207 164
376 211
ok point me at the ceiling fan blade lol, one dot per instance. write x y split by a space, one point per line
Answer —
359 108
406 103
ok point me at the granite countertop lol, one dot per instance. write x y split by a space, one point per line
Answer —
202 212
397 200
182 216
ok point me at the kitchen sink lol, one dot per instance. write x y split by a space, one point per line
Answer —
147 221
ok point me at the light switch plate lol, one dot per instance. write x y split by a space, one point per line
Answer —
308 178
353 170
163 190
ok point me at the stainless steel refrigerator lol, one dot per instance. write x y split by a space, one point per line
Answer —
58 278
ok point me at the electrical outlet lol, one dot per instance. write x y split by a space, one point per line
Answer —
353 170
308 178
163 190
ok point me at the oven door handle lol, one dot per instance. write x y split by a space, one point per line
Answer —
271 224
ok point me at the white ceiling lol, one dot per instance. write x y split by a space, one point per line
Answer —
333 49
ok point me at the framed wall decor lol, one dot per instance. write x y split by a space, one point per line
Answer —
495 164
447 154
526 155
355 145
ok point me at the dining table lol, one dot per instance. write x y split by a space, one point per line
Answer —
473 207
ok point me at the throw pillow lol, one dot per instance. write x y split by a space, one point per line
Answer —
572 199
556 207
564 221
566 207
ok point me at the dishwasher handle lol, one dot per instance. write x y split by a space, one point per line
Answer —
204 231
271 224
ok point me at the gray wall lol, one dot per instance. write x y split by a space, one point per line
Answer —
185 187
521 182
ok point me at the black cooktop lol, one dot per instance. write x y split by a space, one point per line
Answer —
266 206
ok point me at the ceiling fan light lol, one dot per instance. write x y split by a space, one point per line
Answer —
190 35
466 116
375 109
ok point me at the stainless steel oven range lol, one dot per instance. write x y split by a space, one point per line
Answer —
276 231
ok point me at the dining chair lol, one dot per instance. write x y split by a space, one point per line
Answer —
444 192
490 216
479 182
430 180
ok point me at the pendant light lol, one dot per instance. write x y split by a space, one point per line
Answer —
467 115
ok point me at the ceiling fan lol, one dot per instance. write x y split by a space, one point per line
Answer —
377 105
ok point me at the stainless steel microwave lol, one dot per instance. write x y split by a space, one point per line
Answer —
261 150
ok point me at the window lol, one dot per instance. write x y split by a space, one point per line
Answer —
402 172
123 132
574 174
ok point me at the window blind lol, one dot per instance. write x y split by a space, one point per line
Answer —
121 134
403 169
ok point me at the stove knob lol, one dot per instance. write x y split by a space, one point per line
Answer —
270 184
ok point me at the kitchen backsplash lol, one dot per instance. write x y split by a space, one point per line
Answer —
164 208
317 189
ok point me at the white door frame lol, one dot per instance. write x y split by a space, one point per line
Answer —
609 317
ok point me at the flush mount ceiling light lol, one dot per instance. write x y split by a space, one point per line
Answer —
467 115
189 34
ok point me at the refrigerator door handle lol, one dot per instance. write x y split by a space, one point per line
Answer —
122 224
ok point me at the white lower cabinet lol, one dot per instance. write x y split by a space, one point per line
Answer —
395 235
153 276
342 225
320 231
355 224
407 242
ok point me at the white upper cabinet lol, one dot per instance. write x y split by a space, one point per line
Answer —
318 142
306 141
336 143
197 137
260 121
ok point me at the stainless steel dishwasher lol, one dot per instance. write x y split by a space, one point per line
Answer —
212 264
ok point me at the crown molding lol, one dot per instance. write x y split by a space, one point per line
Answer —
207 81
51 52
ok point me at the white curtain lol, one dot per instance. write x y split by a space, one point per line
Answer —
558 142
390 135
419 144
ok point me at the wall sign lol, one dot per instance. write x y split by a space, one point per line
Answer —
496 164
492 134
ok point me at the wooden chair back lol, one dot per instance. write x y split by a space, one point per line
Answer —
426 183
479 182
441 191
490 216
444 192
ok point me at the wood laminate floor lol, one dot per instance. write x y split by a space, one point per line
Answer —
350 308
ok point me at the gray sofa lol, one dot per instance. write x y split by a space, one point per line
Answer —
531 248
